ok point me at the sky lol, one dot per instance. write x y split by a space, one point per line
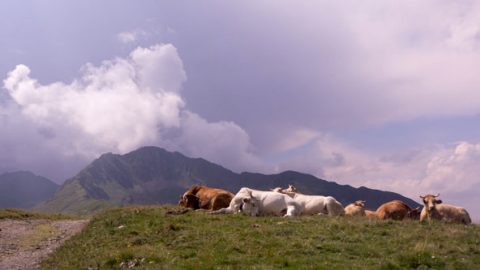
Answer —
383 94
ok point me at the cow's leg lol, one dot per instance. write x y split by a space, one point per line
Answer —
222 211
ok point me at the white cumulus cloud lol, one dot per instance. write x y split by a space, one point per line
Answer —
118 106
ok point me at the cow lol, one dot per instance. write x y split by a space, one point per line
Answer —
396 210
314 204
261 203
202 197
435 209
355 209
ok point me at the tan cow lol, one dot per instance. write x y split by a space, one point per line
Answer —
202 197
355 209
435 209
396 210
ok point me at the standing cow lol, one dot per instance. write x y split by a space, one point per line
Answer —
202 197
435 209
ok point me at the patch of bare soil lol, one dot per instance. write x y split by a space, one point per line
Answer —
23 244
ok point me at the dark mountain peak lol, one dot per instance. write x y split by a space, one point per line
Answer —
152 175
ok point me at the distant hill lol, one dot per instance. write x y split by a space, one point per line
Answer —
151 175
24 189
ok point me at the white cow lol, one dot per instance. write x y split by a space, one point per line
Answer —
314 204
262 203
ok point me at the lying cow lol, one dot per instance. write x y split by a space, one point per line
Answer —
261 203
314 204
396 210
355 209
435 209
202 197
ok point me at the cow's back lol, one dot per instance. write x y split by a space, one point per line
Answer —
311 204
396 209
274 203
452 213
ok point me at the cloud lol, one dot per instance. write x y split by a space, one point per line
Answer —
128 37
450 169
332 66
117 106
220 142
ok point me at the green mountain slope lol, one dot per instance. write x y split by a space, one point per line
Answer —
151 175
24 189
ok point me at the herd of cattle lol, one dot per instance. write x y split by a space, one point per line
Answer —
288 202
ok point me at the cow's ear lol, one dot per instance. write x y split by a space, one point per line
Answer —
246 200
438 201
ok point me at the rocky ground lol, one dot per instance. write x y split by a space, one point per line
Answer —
24 243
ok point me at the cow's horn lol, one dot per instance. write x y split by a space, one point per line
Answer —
438 194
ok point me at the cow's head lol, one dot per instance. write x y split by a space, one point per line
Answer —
250 206
430 201
291 188
414 213
359 203
189 201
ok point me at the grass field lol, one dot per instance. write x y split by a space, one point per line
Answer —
163 238
19 214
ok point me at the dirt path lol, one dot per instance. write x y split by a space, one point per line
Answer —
23 244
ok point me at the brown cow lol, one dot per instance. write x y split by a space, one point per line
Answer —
396 210
202 197
435 209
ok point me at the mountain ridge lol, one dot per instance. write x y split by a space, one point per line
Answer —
152 175
24 189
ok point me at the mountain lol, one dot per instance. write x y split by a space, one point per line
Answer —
24 189
151 175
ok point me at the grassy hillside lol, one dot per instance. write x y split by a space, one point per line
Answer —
164 237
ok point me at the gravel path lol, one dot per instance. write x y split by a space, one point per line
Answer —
23 244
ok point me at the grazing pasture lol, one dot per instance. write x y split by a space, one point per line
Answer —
174 238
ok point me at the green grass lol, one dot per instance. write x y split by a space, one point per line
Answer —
19 214
151 238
